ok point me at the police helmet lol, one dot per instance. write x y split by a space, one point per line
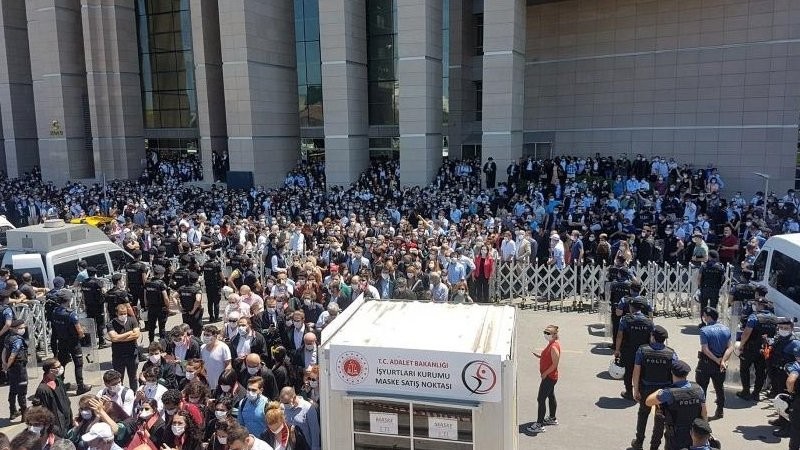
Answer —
616 370
781 404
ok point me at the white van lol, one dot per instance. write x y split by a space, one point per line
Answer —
5 225
777 267
54 249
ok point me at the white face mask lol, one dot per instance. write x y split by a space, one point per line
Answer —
206 339
190 375
178 430
220 414
155 359
784 333
252 370
151 384
547 337
35 429
252 395
243 330
313 383
123 319
222 440
298 324
307 301
146 414
60 371
171 412
225 388
310 347
86 414
115 389
271 310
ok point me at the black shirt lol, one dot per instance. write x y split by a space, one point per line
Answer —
122 349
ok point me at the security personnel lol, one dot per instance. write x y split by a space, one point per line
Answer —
761 325
619 277
213 280
711 279
51 301
161 260
157 303
117 295
716 349
191 299
701 435
779 355
651 372
680 403
744 294
92 291
69 333
249 276
181 276
634 331
136 273
792 387
15 361
635 289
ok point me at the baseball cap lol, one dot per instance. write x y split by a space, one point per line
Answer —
58 282
660 332
680 369
99 430
701 427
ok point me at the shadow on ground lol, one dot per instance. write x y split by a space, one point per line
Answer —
691 330
601 348
596 329
613 403
761 433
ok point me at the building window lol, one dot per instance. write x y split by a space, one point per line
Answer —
477 22
309 62
167 64
384 148
384 87
312 150
478 100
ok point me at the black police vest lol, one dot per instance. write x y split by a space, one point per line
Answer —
62 325
181 277
744 292
637 333
51 302
153 292
249 278
117 296
171 246
619 289
22 356
656 365
712 275
92 292
134 272
686 406
777 358
211 271
766 324
188 295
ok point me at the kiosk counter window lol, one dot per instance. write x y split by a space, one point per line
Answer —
379 424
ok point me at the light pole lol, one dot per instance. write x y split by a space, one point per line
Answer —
766 187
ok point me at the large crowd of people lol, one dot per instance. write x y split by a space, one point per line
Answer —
278 264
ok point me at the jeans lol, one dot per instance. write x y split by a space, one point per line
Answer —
546 393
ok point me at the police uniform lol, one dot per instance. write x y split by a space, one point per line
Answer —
619 287
717 337
92 291
655 361
794 406
188 297
212 273
681 404
66 335
712 277
15 345
116 296
157 312
780 354
134 272
635 328
181 276
762 323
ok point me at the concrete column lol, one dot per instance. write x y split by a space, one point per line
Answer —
21 148
58 71
113 86
419 25
343 40
503 80
459 61
208 81
258 66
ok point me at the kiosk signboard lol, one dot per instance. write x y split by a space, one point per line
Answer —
421 373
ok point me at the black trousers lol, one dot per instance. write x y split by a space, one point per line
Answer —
644 413
794 426
137 292
614 325
628 360
777 379
482 290
748 360
195 322
17 387
709 297
127 363
71 351
717 378
546 394
99 323
213 295
156 317
677 439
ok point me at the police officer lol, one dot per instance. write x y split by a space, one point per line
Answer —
792 387
680 403
7 314
191 299
651 372
161 260
711 278
779 355
157 303
213 280
716 349
136 272
51 301
701 435
744 294
181 276
635 289
619 277
117 295
15 361
249 276
92 291
69 333
634 331
762 324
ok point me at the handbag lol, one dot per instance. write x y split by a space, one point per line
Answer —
140 442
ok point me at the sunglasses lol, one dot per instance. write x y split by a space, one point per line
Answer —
312 379
547 333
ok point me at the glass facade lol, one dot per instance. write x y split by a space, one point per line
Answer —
445 61
167 64
382 62
309 62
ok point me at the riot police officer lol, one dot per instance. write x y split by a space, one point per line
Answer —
117 295
51 301
716 349
651 372
136 273
15 361
213 280
634 331
779 355
743 294
92 291
157 303
249 276
760 325
161 259
620 278
191 299
680 403
69 333
181 276
711 279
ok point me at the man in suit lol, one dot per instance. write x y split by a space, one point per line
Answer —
246 341
298 329
386 284
490 169
306 356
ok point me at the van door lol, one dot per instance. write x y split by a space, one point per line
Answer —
783 280
31 263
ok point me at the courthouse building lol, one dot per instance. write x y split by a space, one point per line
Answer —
87 87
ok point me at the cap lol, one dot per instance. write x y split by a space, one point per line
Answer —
17 323
784 321
58 282
680 369
701 427
65 295
660 333
697 234
99 430
159 270
116 277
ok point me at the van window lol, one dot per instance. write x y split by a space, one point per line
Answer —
784 275
119 260
68 270
759 265
99 262
37 277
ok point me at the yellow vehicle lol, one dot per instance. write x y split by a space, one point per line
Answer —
95 221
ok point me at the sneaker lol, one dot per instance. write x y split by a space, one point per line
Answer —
550 421
637 444
744 395
14 415
535 427
626 395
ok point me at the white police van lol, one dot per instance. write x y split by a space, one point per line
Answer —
777 267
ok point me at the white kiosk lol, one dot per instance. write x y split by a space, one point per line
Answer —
419 376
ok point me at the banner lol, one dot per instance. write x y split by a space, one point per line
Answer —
419 373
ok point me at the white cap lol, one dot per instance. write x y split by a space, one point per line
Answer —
99 430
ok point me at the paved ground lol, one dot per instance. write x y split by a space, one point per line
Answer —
591 413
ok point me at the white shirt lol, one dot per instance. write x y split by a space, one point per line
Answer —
154 393
243 348
125 403
243 309
258 444
508 250
215 361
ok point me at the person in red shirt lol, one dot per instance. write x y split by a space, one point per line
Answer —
548 368
728 246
